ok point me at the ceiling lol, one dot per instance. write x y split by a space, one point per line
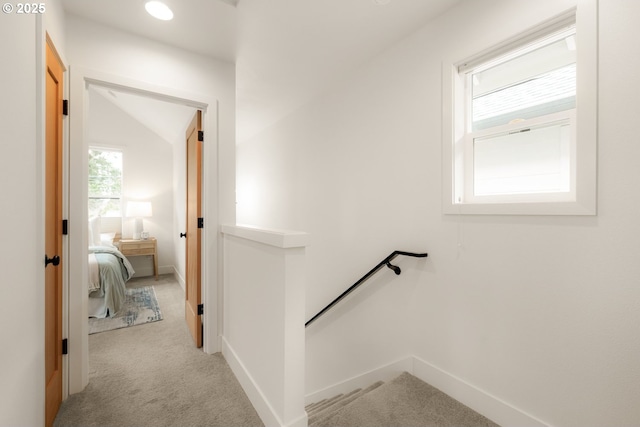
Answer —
289 51
285 51
207 27
168 120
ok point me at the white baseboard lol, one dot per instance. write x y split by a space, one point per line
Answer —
480 401
255 395
179 278
166 269
383 373
148 271
142 272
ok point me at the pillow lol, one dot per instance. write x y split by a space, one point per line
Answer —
106 239
94 231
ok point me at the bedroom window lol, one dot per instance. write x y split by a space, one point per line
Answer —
522 116
105 182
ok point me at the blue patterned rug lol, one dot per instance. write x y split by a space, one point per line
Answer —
140 307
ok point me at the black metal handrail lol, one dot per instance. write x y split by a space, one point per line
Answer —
385 262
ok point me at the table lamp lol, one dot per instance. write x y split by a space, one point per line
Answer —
138 210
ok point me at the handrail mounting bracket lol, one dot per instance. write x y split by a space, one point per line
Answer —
395 268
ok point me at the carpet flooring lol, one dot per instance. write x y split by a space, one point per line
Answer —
154 376
405 401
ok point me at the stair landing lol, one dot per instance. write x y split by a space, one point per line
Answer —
404 401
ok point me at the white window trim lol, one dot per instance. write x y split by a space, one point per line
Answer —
583 195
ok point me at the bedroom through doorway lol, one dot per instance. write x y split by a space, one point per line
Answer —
137 198
85 130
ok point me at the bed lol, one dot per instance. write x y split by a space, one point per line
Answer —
109 270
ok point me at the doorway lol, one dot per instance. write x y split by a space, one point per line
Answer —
140 159
81 79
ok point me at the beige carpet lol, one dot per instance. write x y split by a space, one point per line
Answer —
152 375
405 401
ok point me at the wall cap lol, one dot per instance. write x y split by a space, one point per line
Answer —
284 239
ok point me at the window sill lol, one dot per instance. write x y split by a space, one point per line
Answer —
519 208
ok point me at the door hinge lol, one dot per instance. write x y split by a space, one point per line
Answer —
200 309
200 135
65 227
65 346
200 222
65 107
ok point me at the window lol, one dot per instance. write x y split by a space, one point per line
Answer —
105 182
518 128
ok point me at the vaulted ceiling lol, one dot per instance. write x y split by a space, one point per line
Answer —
166 119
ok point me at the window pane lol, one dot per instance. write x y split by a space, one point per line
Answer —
537 83
105 182
105 207
107 186
533 160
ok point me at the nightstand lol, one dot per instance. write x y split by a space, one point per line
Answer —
131 247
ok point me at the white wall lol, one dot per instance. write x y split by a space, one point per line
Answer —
264 320
54 22
539 312
21 293
21 180
179 211
147 175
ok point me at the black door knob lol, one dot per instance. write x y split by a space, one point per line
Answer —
183 234
55 260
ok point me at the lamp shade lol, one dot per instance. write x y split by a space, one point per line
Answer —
139 209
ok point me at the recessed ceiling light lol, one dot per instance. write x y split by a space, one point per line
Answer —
159 10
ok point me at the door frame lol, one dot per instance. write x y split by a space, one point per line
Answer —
80 78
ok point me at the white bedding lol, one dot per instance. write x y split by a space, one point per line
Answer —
94 273
114 271
107 275
98 308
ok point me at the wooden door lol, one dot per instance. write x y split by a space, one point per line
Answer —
193 294
53 234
